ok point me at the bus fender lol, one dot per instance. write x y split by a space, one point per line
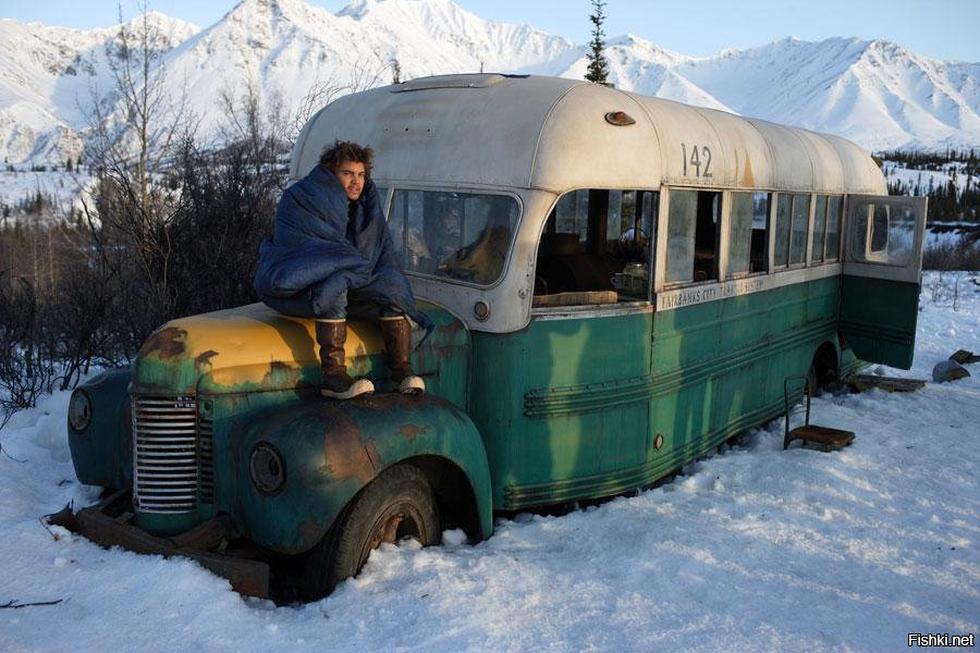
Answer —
330 450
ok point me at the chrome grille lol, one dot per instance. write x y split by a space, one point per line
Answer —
165 469
205 460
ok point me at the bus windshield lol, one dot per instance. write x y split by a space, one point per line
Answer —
461 236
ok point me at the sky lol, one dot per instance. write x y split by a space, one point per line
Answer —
944 29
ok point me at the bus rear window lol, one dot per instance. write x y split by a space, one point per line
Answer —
461 236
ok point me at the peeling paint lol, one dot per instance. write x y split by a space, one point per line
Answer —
205 358
168 342
411 431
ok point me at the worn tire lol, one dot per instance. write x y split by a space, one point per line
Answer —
813 381
399 503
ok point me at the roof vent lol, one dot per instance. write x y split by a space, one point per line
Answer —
450 81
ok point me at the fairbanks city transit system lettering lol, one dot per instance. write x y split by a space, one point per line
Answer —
690 296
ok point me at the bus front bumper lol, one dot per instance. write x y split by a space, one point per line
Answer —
108 523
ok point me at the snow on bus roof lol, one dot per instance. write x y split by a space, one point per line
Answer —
553 134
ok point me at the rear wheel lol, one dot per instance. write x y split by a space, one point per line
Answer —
814 386
398 504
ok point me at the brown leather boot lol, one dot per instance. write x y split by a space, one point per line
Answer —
397 334
337 383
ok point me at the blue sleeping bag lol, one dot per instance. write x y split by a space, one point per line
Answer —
310 261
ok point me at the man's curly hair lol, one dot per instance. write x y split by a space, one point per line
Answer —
340 151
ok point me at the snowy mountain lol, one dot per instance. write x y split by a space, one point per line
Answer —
47 79
874 92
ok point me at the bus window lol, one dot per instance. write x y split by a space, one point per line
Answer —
459 236
596 242
749 233
832 244
879 229
819 228
884 233
692 236
801 220
784 210
571 215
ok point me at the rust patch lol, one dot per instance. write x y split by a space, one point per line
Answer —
205 358
451 328
167 343
310 532
393 401
411 431
345 452
748 178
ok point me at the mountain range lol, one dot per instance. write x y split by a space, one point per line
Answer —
876 93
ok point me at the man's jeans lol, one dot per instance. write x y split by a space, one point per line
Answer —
355 304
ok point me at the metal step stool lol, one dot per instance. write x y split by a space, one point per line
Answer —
824 436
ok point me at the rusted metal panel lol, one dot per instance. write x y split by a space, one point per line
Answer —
332 449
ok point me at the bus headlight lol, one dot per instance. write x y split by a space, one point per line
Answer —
267 468
79 410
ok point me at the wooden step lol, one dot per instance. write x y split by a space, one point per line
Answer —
862 382
828 438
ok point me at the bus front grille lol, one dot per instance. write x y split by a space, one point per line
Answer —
165 457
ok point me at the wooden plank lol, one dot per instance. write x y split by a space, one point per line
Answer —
577 298
862 382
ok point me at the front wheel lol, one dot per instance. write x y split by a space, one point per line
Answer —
397 504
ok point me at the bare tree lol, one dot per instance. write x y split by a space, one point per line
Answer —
320 94
136 128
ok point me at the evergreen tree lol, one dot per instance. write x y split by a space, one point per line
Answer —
396 71
598 69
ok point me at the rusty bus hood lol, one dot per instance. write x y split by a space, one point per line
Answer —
254 348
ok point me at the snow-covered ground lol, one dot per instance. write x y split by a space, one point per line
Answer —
755 548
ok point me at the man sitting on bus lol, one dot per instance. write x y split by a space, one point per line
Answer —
331 255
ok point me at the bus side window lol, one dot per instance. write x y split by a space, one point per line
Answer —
692 236
784 210
801 222
835 206
819 229
749 233
596 243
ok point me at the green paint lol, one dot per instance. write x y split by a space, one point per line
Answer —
571 409
103 453
564 373
564 409
878 319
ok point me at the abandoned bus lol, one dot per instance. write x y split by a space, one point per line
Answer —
619 284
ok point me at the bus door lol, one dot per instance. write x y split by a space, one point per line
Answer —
881 277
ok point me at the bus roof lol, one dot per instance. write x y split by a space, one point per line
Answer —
558 134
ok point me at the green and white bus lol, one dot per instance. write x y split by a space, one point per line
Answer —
620 283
